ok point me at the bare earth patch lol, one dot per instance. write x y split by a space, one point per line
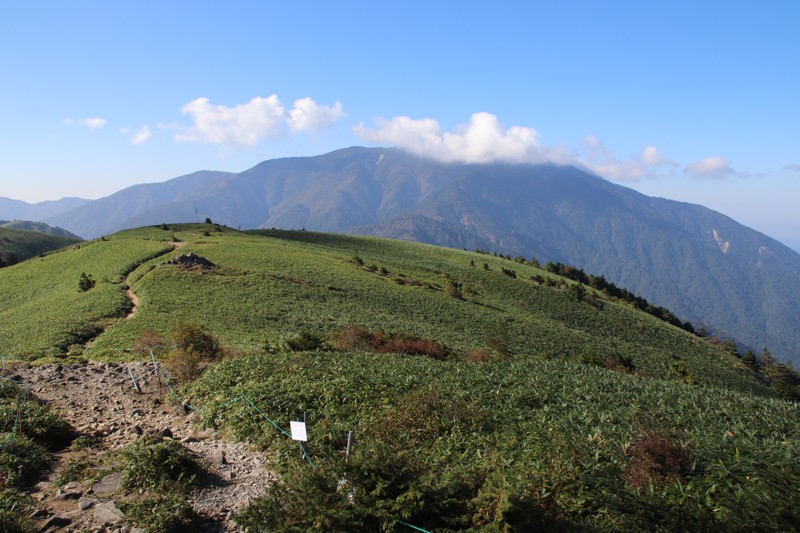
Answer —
100 402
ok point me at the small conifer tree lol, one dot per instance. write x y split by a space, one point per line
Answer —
85 282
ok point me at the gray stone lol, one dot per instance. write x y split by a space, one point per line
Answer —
218 458
107 513
68 494
108 485
86 504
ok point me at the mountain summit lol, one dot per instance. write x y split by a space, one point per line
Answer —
702 265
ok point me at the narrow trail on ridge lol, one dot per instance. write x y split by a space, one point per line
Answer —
132 295
112 404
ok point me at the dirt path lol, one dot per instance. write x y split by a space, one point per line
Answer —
132 295
134 302
100 402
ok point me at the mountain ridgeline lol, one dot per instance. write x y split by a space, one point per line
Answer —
702 265
21 240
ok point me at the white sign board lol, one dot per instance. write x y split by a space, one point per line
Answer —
298 431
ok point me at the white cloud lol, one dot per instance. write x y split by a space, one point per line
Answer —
243 125
261 118
794 167
602 161
482 140
142 135
713 167
309 115
652 158
139 136
92 123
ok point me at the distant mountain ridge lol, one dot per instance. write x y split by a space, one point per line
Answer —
700 264
19 210
18 243
38 227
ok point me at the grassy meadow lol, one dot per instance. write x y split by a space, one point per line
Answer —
271 285
540 409
513 445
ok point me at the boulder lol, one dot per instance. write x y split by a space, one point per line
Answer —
107 513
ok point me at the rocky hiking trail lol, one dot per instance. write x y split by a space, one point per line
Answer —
111 405
100 402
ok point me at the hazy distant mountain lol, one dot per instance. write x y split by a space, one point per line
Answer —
702 265
17 209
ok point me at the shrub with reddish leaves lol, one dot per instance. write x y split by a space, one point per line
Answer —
356 338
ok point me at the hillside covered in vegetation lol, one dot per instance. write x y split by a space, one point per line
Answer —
19 242
484 393
699 263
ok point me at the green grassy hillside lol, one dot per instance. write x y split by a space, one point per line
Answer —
38 227
20 244
514 445
513 424
271 286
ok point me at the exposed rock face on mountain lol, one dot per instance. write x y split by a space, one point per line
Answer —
702 265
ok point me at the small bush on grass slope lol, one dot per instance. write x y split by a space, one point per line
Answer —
165 471
193 346
157 464
163 513
357 338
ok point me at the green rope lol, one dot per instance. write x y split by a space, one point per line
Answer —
305 454
13 429
413 527
226 404
259 411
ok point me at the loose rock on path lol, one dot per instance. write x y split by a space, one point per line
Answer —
99 401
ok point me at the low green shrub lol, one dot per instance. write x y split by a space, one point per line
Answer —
78 469
305 341
164 513
14 509
151 463
21 460
34 421
85 282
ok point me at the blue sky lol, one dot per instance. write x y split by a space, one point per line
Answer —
694 101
